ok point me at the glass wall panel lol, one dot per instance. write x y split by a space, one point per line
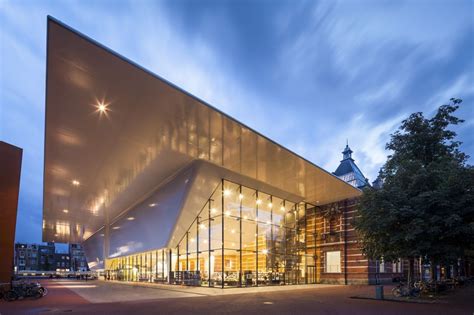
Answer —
264 237
204 267
249 268
231 268
231 233
192 238
203 235
265 206
264 267
241 237
278 213
290 216
216 268
249 230
216 202
216 232
249 200
279 240
232 198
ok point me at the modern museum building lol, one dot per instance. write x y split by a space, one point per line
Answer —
159 186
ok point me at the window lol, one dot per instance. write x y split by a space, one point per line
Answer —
333 261
381 265
397 266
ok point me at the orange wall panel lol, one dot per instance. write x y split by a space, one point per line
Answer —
10 169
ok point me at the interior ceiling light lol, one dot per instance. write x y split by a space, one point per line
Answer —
226 192
270 205
259 201
65 210
130 218
282 208
241 196
151 205
75 182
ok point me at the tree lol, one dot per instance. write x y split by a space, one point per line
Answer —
425 206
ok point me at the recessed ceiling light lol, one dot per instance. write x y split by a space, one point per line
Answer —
102 108
75 182
130 218
151 205
65 210
116 228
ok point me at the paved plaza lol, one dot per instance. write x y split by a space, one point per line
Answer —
81 297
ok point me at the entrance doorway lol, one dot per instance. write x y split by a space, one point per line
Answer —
310 274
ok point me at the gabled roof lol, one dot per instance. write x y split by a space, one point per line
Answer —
349 171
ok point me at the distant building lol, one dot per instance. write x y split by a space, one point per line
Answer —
78 259
63 262
349 172
43 257
46 261
377 183
26 256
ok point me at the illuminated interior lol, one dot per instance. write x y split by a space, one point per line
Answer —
241 237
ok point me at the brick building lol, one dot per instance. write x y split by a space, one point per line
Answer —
338 239
43 257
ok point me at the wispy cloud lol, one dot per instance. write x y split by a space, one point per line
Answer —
307 74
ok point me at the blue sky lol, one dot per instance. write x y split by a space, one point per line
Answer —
307 74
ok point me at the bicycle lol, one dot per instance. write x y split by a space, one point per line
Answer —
23 290
403 290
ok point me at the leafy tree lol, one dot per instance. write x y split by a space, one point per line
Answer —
425 206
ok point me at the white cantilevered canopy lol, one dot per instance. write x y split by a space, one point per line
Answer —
115 131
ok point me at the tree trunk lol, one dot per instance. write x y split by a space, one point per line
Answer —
433 270
411 269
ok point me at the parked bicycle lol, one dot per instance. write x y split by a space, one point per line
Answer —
403 290
22 290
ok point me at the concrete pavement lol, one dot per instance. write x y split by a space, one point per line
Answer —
115 298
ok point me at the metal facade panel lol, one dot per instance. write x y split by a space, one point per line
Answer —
152 130
10 170
149 225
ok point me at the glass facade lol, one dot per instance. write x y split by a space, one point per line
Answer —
241 237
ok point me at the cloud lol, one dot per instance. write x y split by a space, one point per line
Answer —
308 75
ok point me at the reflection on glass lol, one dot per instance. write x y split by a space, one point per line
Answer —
241 237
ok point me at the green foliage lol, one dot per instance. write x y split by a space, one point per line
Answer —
425 207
